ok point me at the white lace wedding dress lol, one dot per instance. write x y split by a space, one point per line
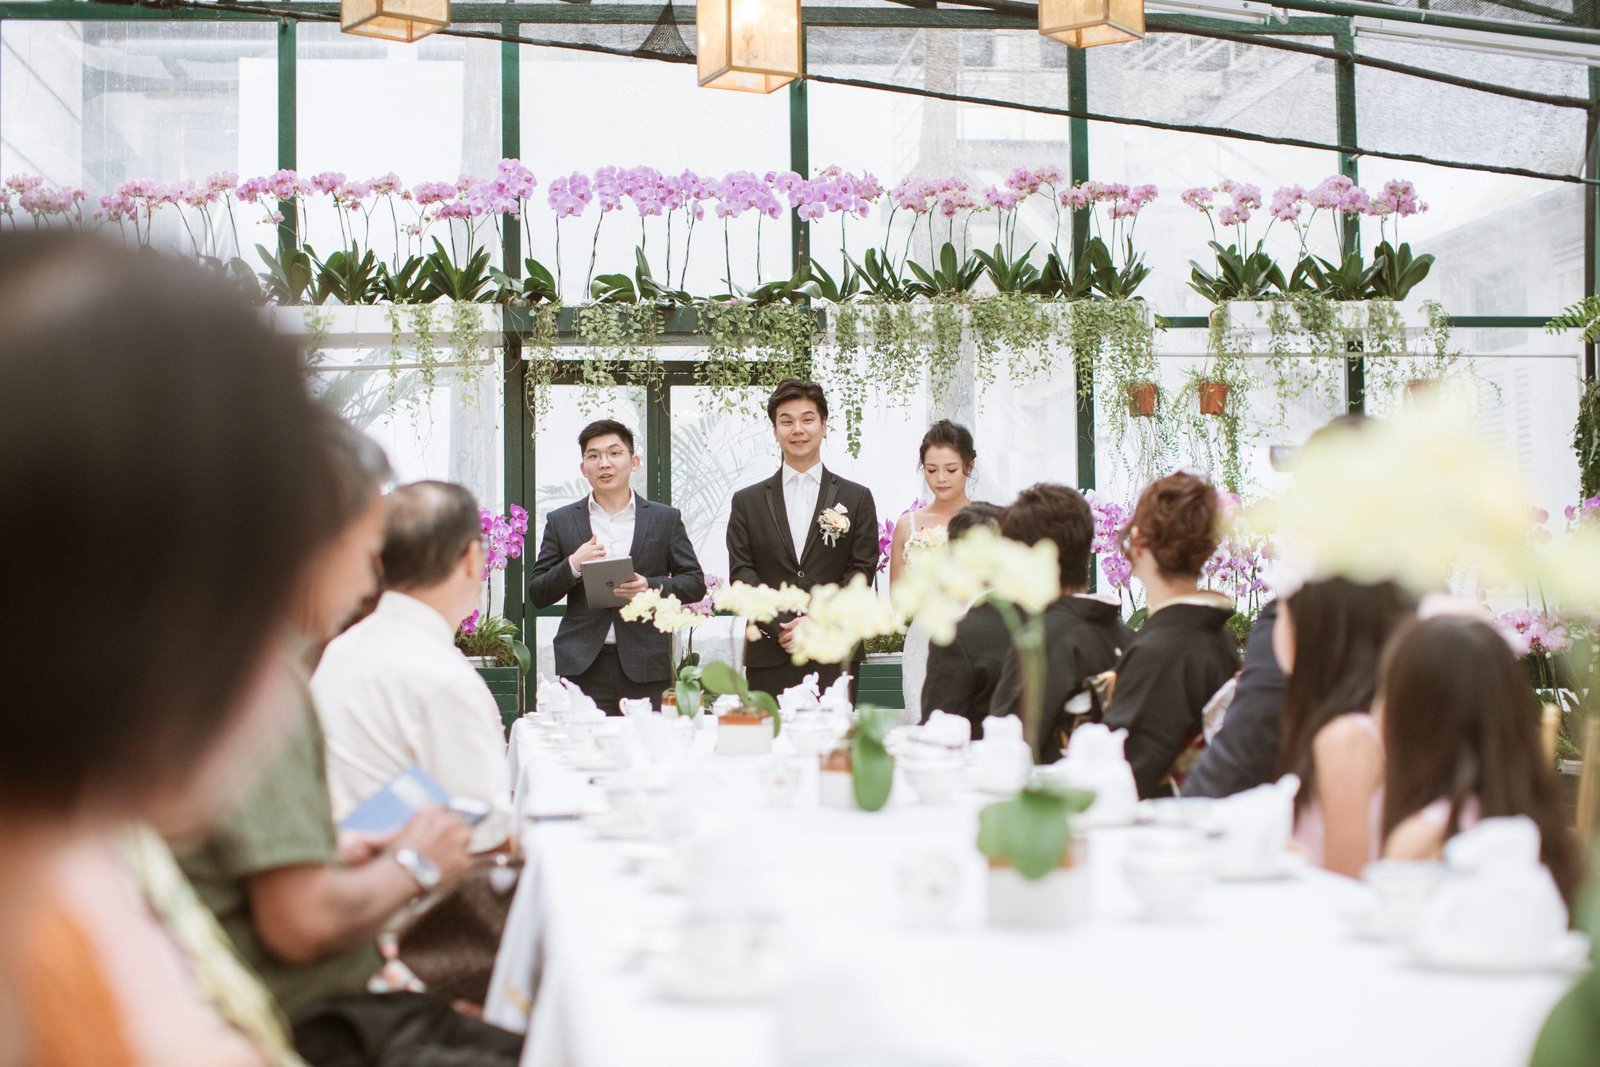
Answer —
914 660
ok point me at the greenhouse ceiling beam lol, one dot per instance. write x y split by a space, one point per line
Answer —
1002 14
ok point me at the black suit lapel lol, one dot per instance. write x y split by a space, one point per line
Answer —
826 498
641 519
580 516
779 512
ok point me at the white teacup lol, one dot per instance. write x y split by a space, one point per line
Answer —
1169 873
1403 889
934 780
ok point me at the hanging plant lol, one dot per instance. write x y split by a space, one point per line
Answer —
1019 324
847 378
1586 441
945 328
539 360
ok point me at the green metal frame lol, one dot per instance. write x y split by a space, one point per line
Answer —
1311 18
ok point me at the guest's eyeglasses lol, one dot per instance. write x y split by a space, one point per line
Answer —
616 455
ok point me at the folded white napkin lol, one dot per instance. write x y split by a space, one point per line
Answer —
837 697
580 705
1002 760
1094 761
1002 728
953 731
1255 826
551 696
800 696
1500 905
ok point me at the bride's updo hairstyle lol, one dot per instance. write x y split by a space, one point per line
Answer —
1176 517
951 435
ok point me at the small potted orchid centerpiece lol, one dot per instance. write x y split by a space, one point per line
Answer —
669 615
1036 873
747 727
838 620
1035 879
493 642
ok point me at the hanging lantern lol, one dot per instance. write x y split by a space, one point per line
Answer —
754 46
394 20
1086 23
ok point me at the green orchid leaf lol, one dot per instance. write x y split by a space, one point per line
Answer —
871 772
717 677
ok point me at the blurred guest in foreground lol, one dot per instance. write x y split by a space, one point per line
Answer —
393 690
1329 638
156 485
303 904
1084 635
1461 727
1183 653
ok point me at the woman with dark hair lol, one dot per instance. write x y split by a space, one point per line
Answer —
1329 637
1461 729
1183 653
946 456
157 477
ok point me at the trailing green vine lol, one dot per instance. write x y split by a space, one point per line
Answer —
540 364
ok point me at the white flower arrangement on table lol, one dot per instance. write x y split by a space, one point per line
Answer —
1420 498
839 618
834 523
760 603
665 612
942 582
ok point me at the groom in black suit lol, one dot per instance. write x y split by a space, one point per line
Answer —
804 526
607 658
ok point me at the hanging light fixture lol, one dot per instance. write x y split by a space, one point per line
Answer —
754 46
1086 23
394 20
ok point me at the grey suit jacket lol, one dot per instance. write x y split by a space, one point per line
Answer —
661 553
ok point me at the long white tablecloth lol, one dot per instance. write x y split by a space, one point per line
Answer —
1269 974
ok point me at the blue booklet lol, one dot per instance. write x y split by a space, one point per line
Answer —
393 806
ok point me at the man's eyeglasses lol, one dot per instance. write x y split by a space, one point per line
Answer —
616 455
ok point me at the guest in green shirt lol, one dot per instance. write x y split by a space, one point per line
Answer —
304 904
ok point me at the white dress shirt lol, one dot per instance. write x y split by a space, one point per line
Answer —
615 535
394 690
800 489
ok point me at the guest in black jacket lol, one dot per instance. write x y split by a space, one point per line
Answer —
1244 754
1183 653
1083 635
962 675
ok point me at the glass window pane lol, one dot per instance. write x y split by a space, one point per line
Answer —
583 111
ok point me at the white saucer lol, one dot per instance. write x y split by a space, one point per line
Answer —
1286 865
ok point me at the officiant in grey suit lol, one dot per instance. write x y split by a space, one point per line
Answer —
607 658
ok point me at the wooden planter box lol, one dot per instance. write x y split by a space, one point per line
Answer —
506 685
880 681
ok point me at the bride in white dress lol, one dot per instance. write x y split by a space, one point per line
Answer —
947 456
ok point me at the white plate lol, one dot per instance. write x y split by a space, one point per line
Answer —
1569 955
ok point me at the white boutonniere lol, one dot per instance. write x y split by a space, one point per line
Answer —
834 522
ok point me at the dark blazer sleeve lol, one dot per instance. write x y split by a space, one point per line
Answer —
552 576
686 582
1149 702
950 684
1244 753
864 540
741 554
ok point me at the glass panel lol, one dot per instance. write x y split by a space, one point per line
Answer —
94 104
710 132
427 112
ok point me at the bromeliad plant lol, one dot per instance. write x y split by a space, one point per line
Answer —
483 633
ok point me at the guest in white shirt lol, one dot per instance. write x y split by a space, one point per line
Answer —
393 690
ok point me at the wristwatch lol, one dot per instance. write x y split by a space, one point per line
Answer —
422 870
